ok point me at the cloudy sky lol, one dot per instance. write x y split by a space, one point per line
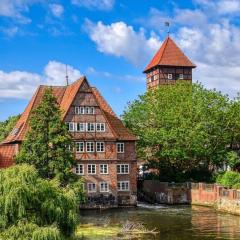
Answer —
111 41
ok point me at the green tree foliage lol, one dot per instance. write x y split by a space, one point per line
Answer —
33 208
182 128
229 179
47 141
7 126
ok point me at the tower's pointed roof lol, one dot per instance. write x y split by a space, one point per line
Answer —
169 54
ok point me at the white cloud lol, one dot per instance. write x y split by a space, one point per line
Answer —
95 4
10 32
56 9
15 8
121 40
22 84
228 6
55 73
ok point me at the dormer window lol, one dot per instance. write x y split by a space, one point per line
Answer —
170 76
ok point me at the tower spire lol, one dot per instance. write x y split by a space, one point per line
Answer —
167 25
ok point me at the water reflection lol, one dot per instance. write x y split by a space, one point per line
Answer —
173 223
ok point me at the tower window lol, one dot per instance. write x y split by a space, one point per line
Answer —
170 76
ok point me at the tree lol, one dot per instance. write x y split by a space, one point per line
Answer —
7 126
181 128
32 208
47 141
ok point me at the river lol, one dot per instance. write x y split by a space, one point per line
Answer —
170 223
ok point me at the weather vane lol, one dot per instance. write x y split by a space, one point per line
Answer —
167 24
66 74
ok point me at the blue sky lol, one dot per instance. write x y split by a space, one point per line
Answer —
111 42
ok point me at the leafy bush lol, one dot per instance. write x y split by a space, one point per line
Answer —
47 209
229 179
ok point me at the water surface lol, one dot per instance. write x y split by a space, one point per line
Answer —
172 223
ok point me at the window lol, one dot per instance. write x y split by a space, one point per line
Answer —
100 127
120 147
180 76
91 168
155 77
123 169
103 168
89 110
79 169
92 187
123 186
104 187
170 76
76 110
90 146
100 146
90 127
80 127
79 110
152 78
79 147
70 126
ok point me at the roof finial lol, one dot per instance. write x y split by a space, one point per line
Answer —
167 24
67 75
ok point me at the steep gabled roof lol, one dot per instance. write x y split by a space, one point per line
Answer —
65 95
119 130
169 54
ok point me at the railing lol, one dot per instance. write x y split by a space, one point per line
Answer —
195 186
237 194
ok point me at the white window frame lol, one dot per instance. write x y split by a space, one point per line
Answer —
78 147
155 77
92 189
79 169
77 110
80 127
100 127
90 110
120 185
170 76
90 127
72 128
81 110
92 166
102 169
181 76
105 188
90 147
100 145
123 168
122 149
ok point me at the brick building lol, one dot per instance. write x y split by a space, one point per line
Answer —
168 65
104 148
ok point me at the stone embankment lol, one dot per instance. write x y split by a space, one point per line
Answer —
213 195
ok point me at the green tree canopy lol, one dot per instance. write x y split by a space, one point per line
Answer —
32 208
47 141
7 126
181 128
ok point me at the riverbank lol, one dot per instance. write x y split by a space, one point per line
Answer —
211 195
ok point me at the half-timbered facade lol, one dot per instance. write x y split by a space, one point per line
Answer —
104 148
168 65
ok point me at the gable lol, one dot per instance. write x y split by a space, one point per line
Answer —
169 54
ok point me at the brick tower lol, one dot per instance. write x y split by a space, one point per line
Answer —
168 65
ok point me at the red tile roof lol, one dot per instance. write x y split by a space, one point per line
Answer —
169 54
7 152
65 96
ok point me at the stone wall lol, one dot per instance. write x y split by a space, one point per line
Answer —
227 200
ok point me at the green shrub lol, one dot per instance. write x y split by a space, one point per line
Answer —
228 179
